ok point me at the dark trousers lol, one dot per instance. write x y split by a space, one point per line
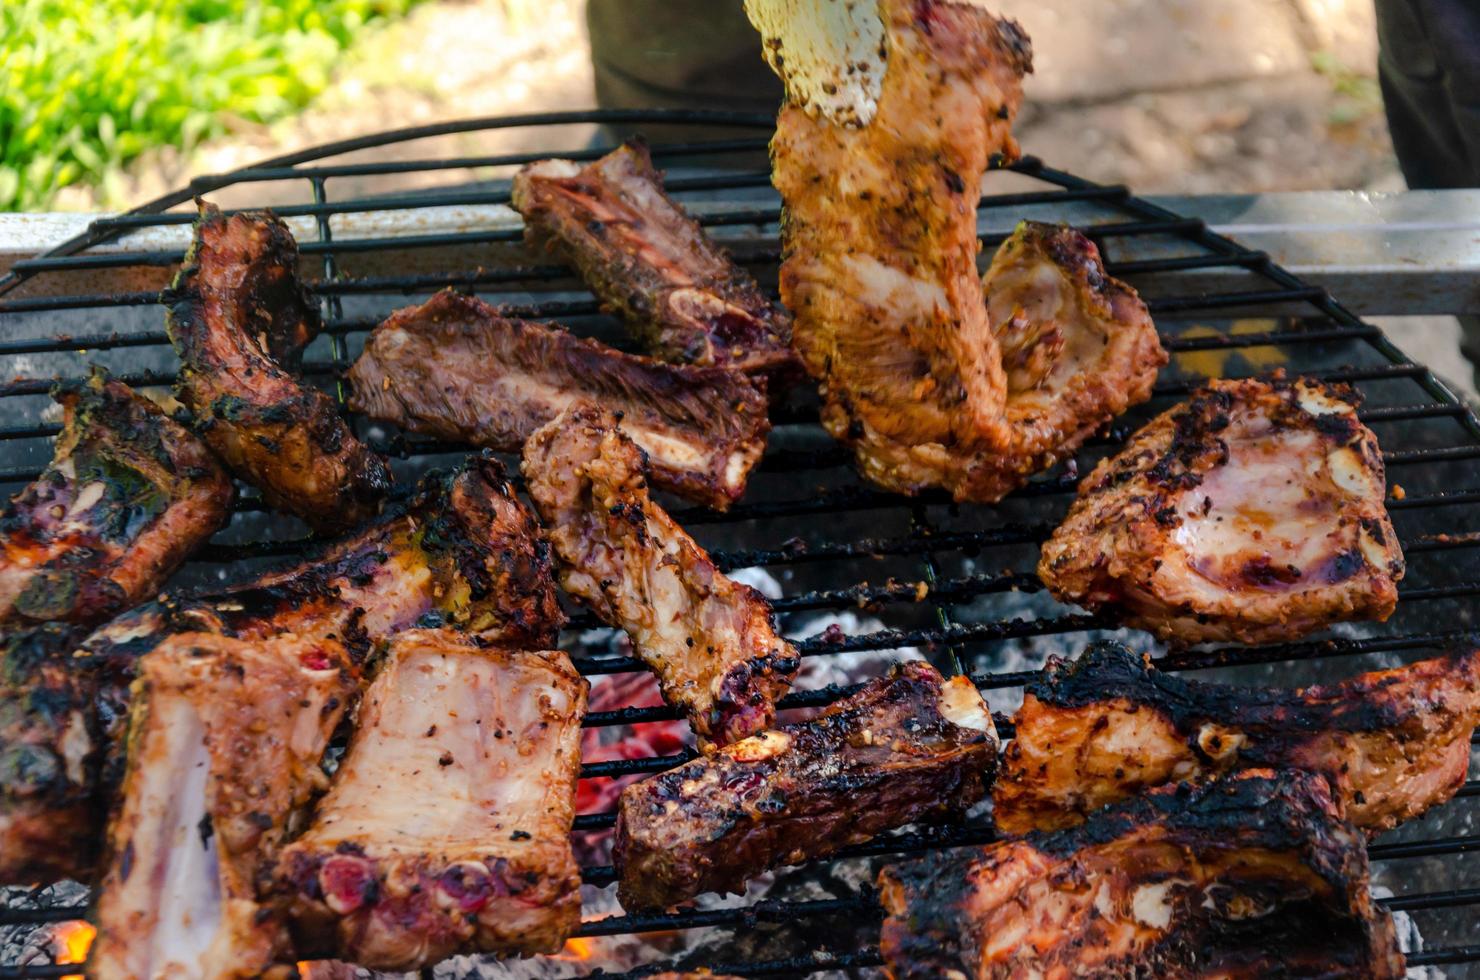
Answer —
1430 73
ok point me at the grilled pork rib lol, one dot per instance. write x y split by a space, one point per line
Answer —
880 239
1254 875
709 639
129 494
447 828
239 320
455 369
906 746
225 740
1252 512
48 727
649 261
1078 347
1392 743
463 551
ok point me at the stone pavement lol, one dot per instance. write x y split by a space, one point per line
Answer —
1200 96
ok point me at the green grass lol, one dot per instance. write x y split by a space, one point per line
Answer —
88 85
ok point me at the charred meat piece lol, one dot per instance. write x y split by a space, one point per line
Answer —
463 551
905 746
1252 512
225 742
880 239
709 639
129 494
1078 347
239 319
1254 875
48 726
447 828
1392 743
650 262
453 368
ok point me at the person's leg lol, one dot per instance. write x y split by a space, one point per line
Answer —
678 54
1429 67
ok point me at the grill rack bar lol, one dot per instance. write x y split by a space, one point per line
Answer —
1145 219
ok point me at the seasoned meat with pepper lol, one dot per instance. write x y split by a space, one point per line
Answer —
906 746
225 742
709 639
1392 743
1078 346
455 369
1253 512
463 551
1254 875
880 242
447 828
651 263
239 320
128 495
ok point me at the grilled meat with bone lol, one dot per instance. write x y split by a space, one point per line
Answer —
709 639
905 746
880 239
239 320
1078 346
455 369
447 828
645 258
1252 512
1392 743
463 551
225 742
1254 875
129 494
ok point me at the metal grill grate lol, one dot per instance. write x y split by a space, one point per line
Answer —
955 582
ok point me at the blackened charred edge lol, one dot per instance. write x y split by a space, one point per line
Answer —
1108 671
290 298
1278 811
745 702
932 940
1287 812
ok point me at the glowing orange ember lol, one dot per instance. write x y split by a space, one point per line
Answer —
577 949
72 941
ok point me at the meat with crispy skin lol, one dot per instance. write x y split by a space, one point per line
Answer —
447 828
1252 512
1392 743
455 369
463 551
128 495
1254 875
239 320
880 243
649 261
1078 347
906 746
225 742
709 639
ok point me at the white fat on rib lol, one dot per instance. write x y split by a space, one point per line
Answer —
175 883
830 55
452 727
887 287
1152 904
961 704
1275 496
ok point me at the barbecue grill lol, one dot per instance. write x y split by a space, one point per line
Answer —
953 583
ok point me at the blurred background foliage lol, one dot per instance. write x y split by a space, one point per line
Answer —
88 85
